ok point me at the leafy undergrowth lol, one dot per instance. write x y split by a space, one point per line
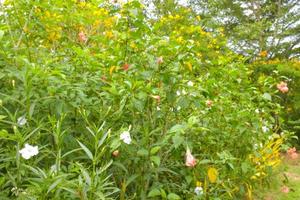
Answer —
285 185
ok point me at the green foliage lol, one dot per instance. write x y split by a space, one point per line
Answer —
289 70
113 100
256 25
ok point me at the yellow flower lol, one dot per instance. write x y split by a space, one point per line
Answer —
133 45
189 66
47 14
96 23
109 34
179 39
54 36
37 10
198 184
212 174
112 69
108 23
263 54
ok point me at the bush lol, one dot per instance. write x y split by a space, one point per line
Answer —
116 102
289 71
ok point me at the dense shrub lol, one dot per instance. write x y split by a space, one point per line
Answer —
289 71
123 106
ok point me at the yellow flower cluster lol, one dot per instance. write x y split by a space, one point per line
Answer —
52 24
269 156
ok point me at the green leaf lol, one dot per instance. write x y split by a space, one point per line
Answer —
101 141
177 128
1 34
267 96
245 167
154 192
177 140
53 185
31 109
154 150
86 150
142 152
173 196
205 161
155 159
163 193
87 177
131 179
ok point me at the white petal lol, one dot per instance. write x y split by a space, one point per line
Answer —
28 151
190 83
198 190
125 137
21 121
127 140
26 156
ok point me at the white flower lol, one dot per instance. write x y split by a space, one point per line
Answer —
21 121
158 108
255 146
270 137
125 137
178 108
198 191
265 129
118 16
178 93
190 83
257 110
53 169
28 151
183 92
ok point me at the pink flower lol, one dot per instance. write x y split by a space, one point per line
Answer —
156 97
282 87
292 153
294 156
209 103
291 150
159 60
285 189
125 67
82 37
190 161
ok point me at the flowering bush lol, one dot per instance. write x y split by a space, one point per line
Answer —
118 105
288 71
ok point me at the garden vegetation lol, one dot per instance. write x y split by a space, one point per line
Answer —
101 101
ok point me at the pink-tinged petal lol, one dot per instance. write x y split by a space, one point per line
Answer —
159 60
282 87
209 103
285 189
190 161
82 37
